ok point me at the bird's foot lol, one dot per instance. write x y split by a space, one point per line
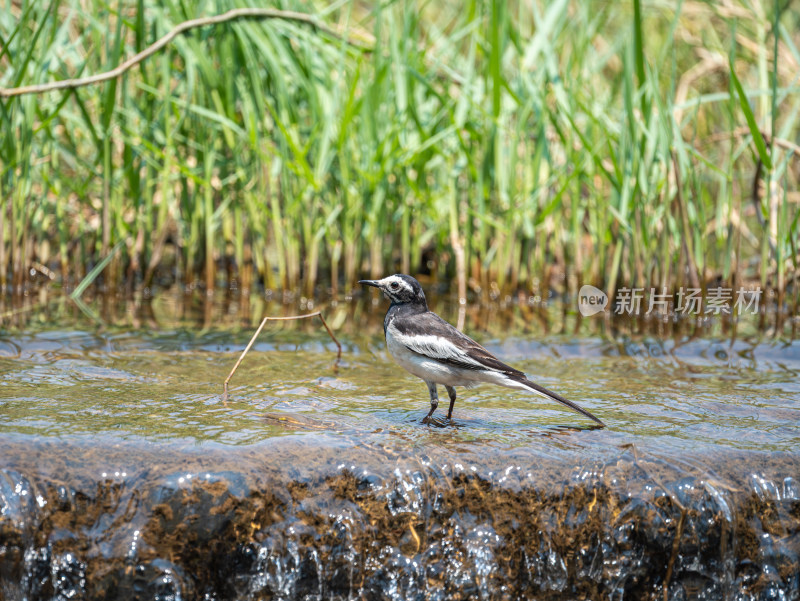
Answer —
427 419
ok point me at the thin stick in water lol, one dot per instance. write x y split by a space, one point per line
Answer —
258 331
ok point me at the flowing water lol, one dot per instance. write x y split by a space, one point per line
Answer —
124 475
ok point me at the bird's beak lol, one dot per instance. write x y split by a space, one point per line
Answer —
373 283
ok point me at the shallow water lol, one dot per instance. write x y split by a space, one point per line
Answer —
165 386
122 469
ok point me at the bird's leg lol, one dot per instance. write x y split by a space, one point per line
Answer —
452 392
434 401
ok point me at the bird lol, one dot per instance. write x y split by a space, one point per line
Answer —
433 350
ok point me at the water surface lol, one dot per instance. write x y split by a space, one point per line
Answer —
665 396
325 483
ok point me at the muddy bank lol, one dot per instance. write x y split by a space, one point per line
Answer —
296 519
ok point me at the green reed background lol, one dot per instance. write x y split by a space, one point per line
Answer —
503 145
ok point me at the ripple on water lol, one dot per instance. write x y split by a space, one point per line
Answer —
658 394
120 458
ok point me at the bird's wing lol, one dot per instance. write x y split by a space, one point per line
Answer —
429 335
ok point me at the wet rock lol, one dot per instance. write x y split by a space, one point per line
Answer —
285 521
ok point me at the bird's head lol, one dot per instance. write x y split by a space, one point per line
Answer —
400 289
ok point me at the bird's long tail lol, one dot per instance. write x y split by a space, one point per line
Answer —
549 394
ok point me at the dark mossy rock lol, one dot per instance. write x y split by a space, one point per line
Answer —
287 520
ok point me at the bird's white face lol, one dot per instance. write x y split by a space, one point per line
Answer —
400 289
396 289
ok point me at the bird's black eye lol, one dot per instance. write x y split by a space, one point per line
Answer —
394 285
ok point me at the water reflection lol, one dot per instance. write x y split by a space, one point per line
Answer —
172 309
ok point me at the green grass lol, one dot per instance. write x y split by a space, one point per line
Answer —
522 146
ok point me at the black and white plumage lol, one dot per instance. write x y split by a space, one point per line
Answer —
433 350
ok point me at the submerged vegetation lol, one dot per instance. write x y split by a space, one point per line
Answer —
504 145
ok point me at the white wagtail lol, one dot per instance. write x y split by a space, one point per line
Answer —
430 348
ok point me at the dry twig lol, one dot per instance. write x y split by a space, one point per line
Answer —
676 546
743 131
258 331
231 15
